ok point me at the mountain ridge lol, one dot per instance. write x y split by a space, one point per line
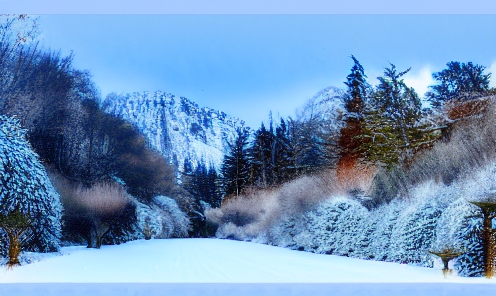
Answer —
177 127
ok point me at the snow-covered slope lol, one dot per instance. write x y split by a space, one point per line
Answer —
214 261
177 127
183 267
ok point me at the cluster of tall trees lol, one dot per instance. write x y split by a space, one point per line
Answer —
203 184
90 151
263 159
384 126
273 155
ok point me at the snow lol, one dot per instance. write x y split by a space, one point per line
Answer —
178 127
221 266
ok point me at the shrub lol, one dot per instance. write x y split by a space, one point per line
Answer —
163 217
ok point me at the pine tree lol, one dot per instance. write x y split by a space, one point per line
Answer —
26 187
235 167
284 165
458 81
213 196
391 124
260 158
271 156
357 89
202 184
351 136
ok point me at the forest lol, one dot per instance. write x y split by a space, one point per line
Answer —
365 171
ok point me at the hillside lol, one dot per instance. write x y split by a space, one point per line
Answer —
177 127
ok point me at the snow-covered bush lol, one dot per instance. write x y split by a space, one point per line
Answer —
25 185
164 218
259 210
430 217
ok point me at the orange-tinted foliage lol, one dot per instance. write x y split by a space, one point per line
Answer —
462 109
352 174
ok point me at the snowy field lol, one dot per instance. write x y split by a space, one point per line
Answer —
224 267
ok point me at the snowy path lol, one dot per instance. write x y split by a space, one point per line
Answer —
210 261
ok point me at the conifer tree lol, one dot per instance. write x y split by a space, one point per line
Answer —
260 158
283 150
271 156
213 196
357 89
25 186
391 121
458 81
351 136
202 184
235 168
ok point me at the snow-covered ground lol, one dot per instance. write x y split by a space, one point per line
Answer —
196 266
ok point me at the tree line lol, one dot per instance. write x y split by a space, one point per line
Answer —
95 160
384 126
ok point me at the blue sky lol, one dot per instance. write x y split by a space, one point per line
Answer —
247 65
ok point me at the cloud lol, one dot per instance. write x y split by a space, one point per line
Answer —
420 80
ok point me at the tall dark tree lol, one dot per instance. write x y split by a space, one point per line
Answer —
351 136
202 184
284 166
271 156
235 167
213 193
458 81
260 158
357 89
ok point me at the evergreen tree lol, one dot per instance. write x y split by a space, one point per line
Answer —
283 155
271 156
458 81
308 146
213 196
391 121
260 158
357 89
201 183
350 140
235 167
25 186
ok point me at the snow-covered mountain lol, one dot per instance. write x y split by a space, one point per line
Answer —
177 127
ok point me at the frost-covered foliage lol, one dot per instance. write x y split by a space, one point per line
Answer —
431 217
164 218
25 185
259 210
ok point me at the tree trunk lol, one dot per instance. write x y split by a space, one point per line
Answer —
488 246
14 251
